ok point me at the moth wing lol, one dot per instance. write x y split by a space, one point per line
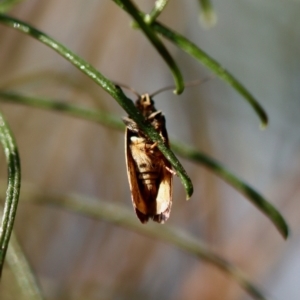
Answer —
136 197
164 195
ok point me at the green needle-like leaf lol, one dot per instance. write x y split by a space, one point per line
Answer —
213 65
207 14
13 187
109 87
159 6
260 202
183 150
97 116
129 7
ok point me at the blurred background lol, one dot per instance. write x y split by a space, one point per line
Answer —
75 257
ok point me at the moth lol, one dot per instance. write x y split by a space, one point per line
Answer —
149 172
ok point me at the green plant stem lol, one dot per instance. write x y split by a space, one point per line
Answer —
193 50
260 202
183 150
130 8
207 14
110 88
13 187
159 6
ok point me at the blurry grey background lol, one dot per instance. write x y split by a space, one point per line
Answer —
78 258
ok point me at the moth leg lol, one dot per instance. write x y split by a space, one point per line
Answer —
130 124
154 145
149 148
170 170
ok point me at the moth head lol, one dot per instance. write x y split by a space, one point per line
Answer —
145 104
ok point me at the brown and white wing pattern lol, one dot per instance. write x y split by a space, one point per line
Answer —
149 172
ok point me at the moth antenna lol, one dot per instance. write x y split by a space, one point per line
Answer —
187 84
127 88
